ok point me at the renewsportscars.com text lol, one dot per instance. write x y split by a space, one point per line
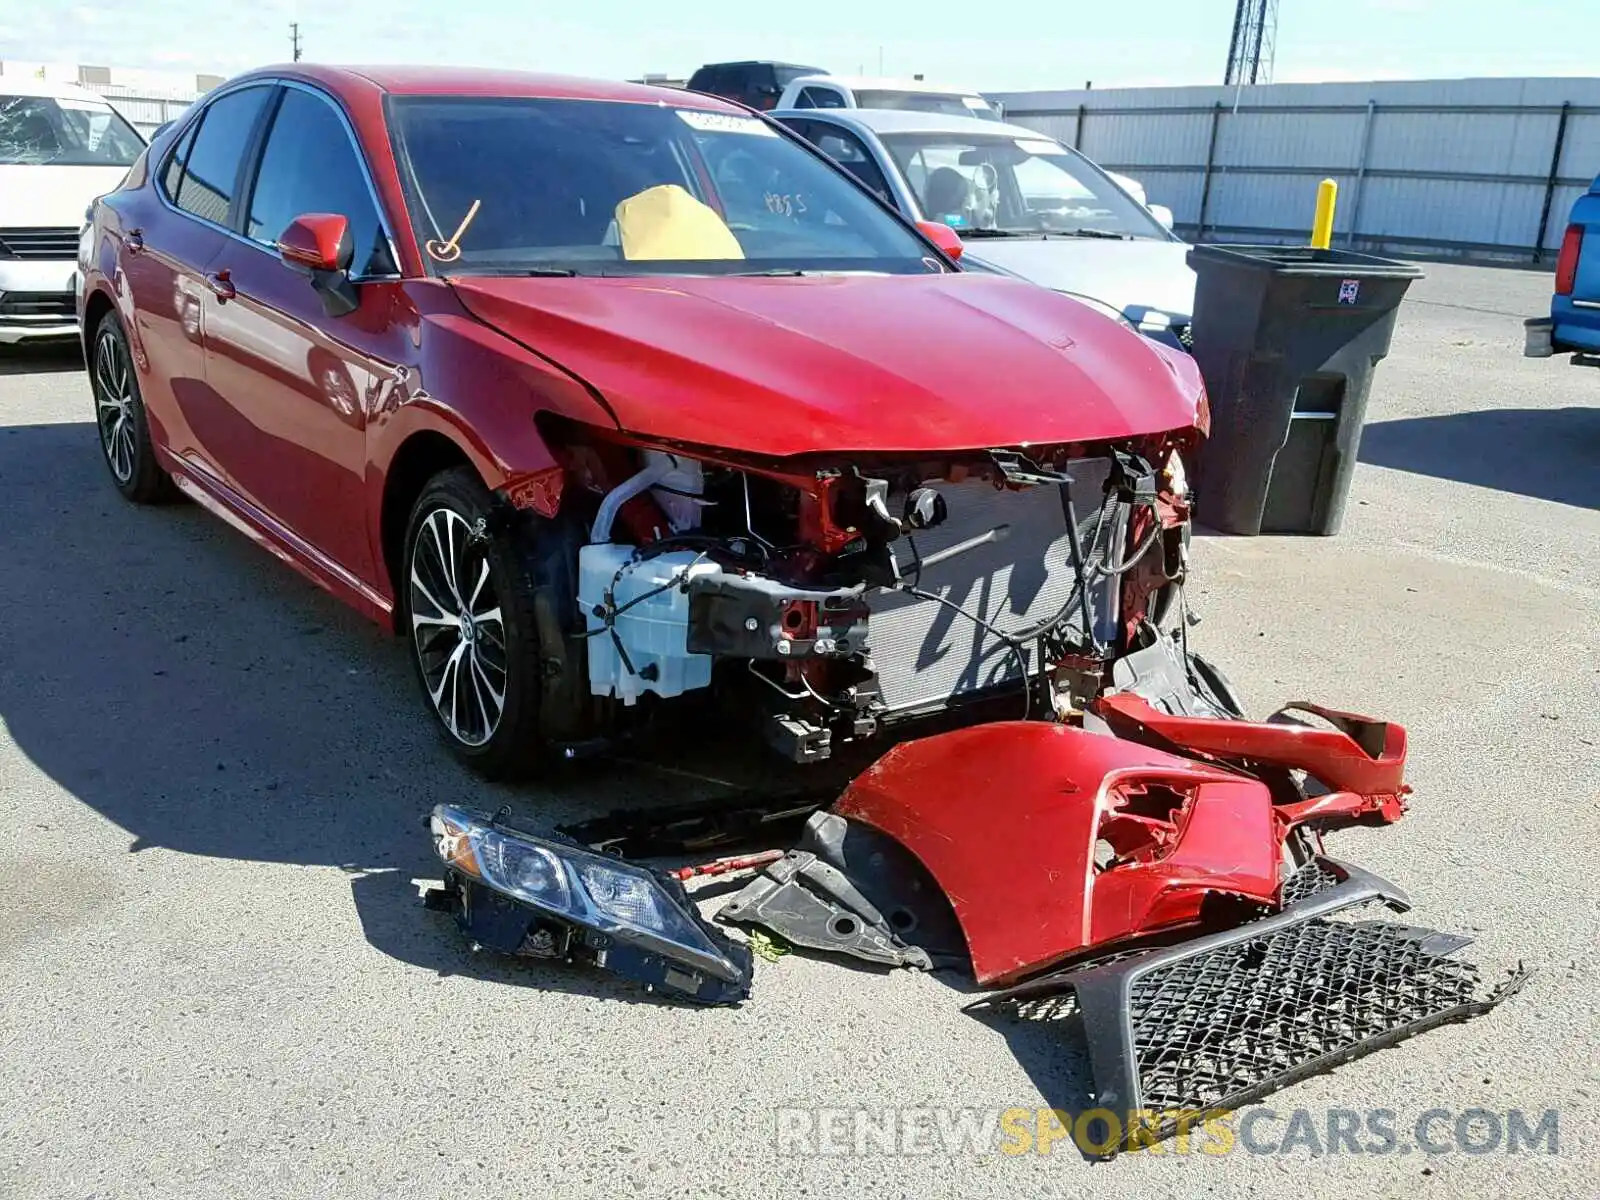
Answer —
866 1131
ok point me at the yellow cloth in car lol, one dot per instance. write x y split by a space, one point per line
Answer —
666 222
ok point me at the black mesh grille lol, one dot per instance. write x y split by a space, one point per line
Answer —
1316 876
39 243
1228 1017
54 306
1224 1026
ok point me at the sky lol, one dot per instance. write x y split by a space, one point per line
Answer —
1013 45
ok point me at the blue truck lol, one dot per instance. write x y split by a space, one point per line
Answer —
1573 326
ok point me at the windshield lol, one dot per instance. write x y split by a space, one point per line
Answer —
47 131
514 185
1015 185
928 102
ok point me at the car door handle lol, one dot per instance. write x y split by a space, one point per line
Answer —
221 286
134 241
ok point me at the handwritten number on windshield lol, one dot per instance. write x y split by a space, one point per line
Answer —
785 204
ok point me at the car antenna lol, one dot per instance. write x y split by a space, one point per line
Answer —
450 250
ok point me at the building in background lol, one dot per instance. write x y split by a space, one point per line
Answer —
146 98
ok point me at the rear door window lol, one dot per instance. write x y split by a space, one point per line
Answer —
310 165
172 173
819 97
211 171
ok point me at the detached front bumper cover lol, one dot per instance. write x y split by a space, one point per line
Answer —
542 898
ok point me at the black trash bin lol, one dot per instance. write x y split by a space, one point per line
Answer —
1287 338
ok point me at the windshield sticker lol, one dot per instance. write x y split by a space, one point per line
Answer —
711 122
1032 146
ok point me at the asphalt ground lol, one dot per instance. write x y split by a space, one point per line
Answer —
218 979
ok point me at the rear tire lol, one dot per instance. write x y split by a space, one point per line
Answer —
125 442
468 599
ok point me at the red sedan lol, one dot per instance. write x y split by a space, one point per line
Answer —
606 397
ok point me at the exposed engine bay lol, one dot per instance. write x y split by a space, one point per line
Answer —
836 600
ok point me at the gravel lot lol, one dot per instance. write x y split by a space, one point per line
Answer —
218 979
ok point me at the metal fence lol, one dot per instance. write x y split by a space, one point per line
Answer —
1476 168
146 109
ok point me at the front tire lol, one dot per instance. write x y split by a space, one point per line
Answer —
471 622
125 442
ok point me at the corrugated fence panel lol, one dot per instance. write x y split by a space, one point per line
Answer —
1178 190
1260 201
1150 139
1458 165
1478 143
146 108
1580 157
1484 214
1314 141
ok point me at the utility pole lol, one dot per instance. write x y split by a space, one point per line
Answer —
294 39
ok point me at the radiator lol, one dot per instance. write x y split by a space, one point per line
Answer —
927 654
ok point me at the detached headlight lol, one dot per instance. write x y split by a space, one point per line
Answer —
576 903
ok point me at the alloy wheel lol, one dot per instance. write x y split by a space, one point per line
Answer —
457 627
114 408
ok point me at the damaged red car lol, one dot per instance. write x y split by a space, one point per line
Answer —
610 403
626 407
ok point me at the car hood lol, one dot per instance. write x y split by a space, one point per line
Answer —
783 366
1133 277
52 197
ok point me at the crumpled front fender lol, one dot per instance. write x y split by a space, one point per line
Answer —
1049 840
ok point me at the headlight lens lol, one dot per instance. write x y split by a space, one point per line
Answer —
619 899
525 871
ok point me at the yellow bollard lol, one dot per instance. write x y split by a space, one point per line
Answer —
1322 225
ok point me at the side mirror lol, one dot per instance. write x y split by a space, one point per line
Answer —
942 236
317 242
1163 214
318 245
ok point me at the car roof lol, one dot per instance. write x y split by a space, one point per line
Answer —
19 85
482 81
897 120
886 82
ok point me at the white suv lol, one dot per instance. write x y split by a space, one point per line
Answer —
60 147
